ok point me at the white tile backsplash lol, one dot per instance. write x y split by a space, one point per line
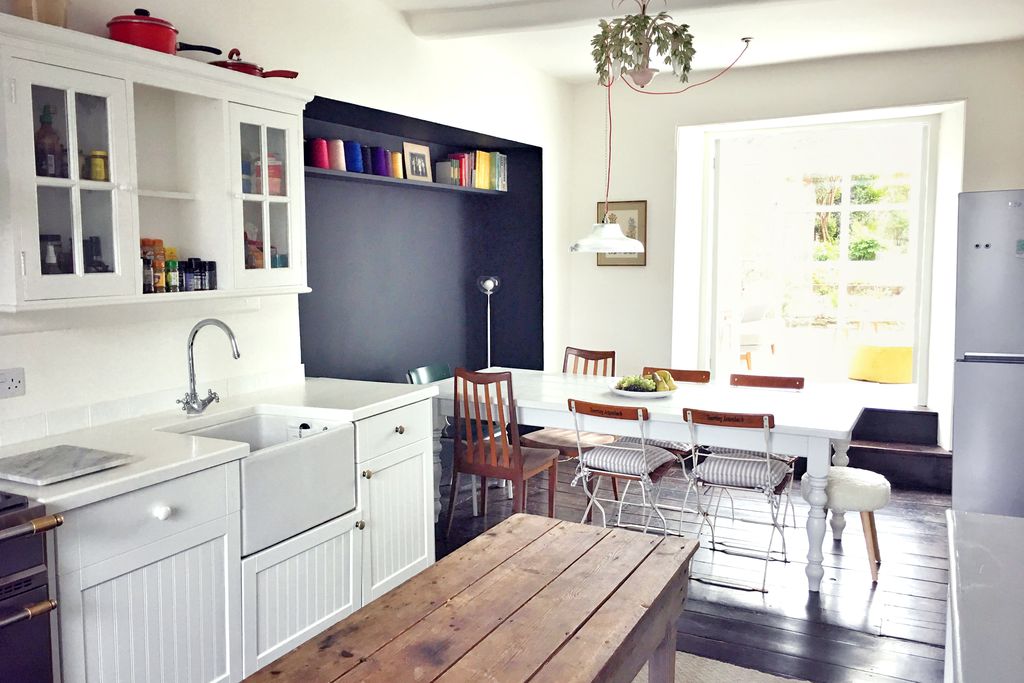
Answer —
64 420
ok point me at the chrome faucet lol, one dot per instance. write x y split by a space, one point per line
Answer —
192 404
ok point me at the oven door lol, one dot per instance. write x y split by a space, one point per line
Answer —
25 645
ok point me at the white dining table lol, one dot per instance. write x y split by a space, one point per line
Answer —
810 424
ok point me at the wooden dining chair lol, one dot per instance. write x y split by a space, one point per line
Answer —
690 376
484 400
585 362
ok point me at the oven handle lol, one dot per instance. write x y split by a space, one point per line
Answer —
35 526
28 612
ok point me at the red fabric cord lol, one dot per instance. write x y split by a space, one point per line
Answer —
693 85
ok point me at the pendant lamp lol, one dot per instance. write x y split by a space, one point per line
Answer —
605 238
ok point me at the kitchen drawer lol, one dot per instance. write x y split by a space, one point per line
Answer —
393 429
111 527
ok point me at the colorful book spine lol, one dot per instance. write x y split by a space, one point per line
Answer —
396 165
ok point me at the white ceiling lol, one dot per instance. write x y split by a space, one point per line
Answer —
554 35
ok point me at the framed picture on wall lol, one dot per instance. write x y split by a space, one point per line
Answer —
632 218
417 162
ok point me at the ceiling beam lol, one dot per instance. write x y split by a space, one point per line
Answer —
524 15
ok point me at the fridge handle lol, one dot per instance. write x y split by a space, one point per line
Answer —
975 357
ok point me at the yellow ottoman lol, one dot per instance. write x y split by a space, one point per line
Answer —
883 364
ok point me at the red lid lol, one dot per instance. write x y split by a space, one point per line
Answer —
141 16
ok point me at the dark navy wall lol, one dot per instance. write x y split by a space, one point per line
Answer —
393 268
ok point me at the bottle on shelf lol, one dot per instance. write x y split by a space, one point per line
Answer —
147 275
47 145
171 277
211 275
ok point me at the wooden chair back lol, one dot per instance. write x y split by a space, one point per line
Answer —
584 362
692 376
720 419
429 373
483 403
766 381
609 411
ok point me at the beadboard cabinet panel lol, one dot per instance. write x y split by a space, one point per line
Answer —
394 490
298 588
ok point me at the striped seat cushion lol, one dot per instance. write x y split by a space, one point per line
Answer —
660 443
622 457
746 469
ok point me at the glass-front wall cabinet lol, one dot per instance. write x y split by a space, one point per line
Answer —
267 157
70 172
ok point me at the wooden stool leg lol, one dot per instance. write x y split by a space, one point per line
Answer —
615 487
519 495
874 536
661 667
552 486
868 522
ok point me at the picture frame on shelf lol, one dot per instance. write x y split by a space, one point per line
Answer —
632 218
417 162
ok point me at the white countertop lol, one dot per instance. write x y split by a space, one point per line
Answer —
163 455
986 598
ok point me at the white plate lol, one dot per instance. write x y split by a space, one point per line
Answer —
639 394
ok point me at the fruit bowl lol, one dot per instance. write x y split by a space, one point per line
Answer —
640 394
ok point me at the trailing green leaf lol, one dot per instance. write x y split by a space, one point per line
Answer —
628 43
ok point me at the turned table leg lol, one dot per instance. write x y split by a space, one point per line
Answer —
840 459
816 479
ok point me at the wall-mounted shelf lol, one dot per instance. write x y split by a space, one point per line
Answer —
170 297
314 172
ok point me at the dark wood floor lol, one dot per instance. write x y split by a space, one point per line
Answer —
848 632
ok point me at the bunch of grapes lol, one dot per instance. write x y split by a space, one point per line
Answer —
636 383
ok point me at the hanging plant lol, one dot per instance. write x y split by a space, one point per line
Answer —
624 46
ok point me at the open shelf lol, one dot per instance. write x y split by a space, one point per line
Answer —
167 194
314 172
170 297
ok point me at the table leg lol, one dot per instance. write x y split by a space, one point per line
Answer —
439 424
661 667
840 459
816 479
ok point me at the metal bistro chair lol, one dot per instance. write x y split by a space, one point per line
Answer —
484 400
633 461
764 473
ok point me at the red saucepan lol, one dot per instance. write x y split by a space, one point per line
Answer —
149 32
235 63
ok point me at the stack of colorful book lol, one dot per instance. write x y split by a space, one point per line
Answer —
482 170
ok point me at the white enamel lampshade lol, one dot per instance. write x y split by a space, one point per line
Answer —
605 238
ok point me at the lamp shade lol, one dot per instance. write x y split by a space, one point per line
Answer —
488 284
606 238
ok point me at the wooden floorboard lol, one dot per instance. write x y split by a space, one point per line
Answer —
851 631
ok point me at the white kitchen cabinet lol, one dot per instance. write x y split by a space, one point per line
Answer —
75 215
267 191
394 490
175 133
165 607
299 587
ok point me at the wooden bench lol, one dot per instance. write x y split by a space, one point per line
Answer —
533 599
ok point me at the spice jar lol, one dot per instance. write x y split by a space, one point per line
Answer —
147 275
171 282
211 275
98 167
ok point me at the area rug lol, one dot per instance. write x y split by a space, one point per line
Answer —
694 669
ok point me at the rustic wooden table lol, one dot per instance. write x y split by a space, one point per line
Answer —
533 599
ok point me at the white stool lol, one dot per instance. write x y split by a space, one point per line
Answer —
854 490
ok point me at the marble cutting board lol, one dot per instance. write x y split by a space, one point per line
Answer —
58 463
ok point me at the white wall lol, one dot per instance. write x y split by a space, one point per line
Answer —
131 361
630 309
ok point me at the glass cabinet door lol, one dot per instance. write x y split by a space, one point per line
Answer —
266 145
70 174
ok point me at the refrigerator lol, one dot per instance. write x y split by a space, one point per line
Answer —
988 376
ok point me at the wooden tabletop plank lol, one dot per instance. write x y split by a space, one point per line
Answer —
340 648
514 651
432 645
629 626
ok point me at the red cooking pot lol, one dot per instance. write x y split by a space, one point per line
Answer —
235 63
149 32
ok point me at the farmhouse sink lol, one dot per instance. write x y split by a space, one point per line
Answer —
300 471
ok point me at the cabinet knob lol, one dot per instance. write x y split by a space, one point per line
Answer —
360 525
162 512
400 429
367 474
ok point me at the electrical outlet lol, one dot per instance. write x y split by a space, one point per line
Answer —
12 382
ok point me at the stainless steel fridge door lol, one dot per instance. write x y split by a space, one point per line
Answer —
988 438
990 274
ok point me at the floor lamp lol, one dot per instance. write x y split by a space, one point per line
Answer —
488 284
